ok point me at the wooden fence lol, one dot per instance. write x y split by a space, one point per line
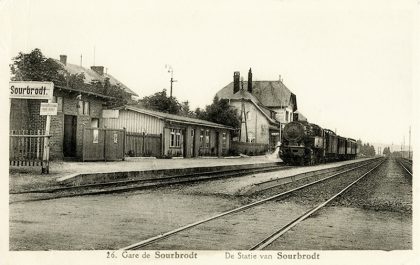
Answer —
26 148
142 144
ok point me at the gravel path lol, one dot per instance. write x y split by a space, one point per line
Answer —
387 190
376 214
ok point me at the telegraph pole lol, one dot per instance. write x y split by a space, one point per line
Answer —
403 146
409 142
171 70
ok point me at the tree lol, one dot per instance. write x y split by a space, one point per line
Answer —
387 151
366 149
219 112
34 66
185 110
161 102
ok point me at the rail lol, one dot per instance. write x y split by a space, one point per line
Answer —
160 237
270 239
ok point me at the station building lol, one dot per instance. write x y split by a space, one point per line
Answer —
264 106
78 108
168 135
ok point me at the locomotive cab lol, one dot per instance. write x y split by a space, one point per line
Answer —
303 143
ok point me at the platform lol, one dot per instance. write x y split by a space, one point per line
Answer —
24 178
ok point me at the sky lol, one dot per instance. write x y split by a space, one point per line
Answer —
350 64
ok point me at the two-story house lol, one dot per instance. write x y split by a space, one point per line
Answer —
272 102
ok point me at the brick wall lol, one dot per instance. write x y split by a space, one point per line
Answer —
19 114
31 107
70 103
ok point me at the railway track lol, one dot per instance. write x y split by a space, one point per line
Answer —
270 239
407 165
129 185
161 237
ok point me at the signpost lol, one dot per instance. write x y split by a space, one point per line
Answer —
48 109
37 90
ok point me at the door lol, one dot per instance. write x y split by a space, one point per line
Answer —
217 144
69 142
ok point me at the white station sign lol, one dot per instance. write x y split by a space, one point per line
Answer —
31 89
48 109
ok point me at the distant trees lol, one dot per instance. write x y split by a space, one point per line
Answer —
219 111
186 110
387 151
366 149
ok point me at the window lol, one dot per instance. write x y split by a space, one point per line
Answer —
287 115
94 123
175 138
59 101
251 137
84 107
201 138
224 142
80 107
207 139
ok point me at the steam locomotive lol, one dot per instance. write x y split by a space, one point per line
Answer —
306 143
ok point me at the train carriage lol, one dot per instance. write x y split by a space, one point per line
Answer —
351 150
331 145
342 148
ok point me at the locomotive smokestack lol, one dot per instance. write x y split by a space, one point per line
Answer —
250 81
236 77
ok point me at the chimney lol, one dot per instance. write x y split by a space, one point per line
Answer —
250 81
98 69
63 59
236 77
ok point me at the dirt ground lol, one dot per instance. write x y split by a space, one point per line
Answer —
106 221
116 220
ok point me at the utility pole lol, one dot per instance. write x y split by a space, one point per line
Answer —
403 146
171 71
243 120
409 142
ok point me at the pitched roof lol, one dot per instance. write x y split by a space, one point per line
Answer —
91 75
301 117
268 93
243 94
176 118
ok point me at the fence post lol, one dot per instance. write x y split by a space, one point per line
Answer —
46 156
162 143
104 144
84 143
124 142
143 147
